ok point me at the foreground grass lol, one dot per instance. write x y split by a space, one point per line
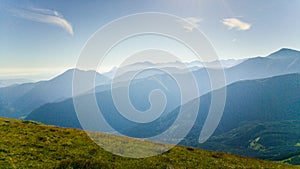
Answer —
25 144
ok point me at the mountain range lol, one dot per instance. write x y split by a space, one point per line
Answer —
29 96
282 62
261 119
26 97
261 113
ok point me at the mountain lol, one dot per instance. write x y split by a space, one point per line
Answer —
235 70
216 64
285 53
31 145
6 110
27 97
57 113
284 61
175 66
261 119
9 82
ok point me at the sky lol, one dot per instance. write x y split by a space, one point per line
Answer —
39 39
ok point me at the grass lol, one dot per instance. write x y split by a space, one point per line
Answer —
26 144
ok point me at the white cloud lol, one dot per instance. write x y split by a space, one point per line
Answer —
44 16
193 23
236 23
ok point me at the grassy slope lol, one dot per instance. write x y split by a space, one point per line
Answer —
29 145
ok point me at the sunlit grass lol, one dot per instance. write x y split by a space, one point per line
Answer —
26 144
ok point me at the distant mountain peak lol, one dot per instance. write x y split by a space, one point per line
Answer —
286 49
285 52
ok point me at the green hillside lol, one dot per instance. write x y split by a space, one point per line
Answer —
26 144
261 119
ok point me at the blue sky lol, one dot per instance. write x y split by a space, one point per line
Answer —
46 37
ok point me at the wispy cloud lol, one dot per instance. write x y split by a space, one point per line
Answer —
236 23
193 23
44 16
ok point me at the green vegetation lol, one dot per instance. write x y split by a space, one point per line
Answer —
267 109
276 141
26 144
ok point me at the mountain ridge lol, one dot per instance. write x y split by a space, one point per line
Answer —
29 96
